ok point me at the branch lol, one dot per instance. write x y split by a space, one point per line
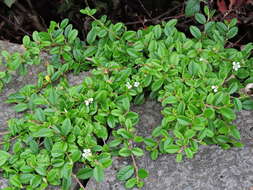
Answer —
10 22
157 19
35 17
146 11
78 181
4 133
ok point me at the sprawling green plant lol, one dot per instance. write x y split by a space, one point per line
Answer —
197 80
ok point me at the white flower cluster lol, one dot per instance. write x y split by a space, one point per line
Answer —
215 88
86 153
236 65
88 101
129 86
136 84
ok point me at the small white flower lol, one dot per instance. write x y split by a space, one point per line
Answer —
86 153
236 66
136 84
128 85
88 101
201 59
215 88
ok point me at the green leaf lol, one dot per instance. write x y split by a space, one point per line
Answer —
232 32
137 151
195 32
39 114
188 152
102 33
147 81
200 18
114 143
142 173
75 155
72 35
157 85
124 133
88 11
9 3
66 183
15 181
223 29
174 58
64 23
209 132
178 134
34 146
189 133
209 113
157 31
35 36
85 173
132 52
118 26
129 35
125 173
26 41
131 183
41 170
233 88
125 152
228 113
4 156
182 120
235 132
192 7
91 36
154 154
238 104
52 97
172 148
17 147
2 74
98 173
169 100
21 107
150 142
111 121
179 157
194 68
44 132
218 98
66 127
247 104
207 11
139 99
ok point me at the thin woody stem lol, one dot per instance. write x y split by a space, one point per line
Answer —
135 168
78 181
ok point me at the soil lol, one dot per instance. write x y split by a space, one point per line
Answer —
26 16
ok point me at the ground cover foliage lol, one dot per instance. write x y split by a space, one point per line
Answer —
197 80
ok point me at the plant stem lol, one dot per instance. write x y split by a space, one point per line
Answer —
134 163
135 168
78 181
102 24
4 133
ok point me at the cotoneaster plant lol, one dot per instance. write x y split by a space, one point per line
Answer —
197 80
